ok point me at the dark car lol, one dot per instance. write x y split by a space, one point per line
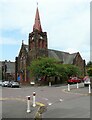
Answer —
74 80
15 84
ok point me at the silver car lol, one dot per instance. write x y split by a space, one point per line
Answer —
5 83
15 84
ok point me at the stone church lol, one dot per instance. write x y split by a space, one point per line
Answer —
38 46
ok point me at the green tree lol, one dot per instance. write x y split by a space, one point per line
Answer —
49 67
72 70
43 67
89 64
61 71
89 71
89 68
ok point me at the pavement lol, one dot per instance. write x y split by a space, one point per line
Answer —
81 90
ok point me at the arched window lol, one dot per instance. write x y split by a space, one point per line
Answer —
42 43
38 43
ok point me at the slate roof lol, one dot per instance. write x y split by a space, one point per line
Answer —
61 56
64 57
26 47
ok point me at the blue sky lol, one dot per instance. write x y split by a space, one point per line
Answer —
67 23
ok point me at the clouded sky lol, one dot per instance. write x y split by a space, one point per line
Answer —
67 23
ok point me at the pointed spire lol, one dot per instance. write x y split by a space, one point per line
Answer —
37 23
22 42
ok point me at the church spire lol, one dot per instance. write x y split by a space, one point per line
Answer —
37 23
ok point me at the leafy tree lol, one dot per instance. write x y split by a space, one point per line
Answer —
89 71
72 70
89 64
49 67
89 68
66 70
43 67
61 71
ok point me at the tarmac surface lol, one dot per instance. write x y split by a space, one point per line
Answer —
16 107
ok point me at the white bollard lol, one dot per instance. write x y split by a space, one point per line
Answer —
28 104
68 87
49 83
34 103
77 85
89 88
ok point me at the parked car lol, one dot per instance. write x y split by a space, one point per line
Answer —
86 81
86 77
74 80
15 84
5 83
9 84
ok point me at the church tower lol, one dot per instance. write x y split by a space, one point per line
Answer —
37 39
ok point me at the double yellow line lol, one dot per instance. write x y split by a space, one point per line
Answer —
21 99
1 99
40 104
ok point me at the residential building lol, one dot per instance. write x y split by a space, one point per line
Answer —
8 70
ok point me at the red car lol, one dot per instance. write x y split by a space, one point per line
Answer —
74 80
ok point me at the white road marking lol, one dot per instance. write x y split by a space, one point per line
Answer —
45 98
49 103
60 100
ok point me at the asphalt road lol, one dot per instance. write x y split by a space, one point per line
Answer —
59 102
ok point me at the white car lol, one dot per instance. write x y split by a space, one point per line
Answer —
5 83
87 81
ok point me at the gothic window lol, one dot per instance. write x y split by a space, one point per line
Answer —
31 45
38 43
32 38
42 44
41 37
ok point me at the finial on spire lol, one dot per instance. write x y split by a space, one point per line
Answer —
37 4
22 42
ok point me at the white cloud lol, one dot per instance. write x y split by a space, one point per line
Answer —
9 41
71 50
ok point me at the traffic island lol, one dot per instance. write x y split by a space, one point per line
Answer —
40 111
81 91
